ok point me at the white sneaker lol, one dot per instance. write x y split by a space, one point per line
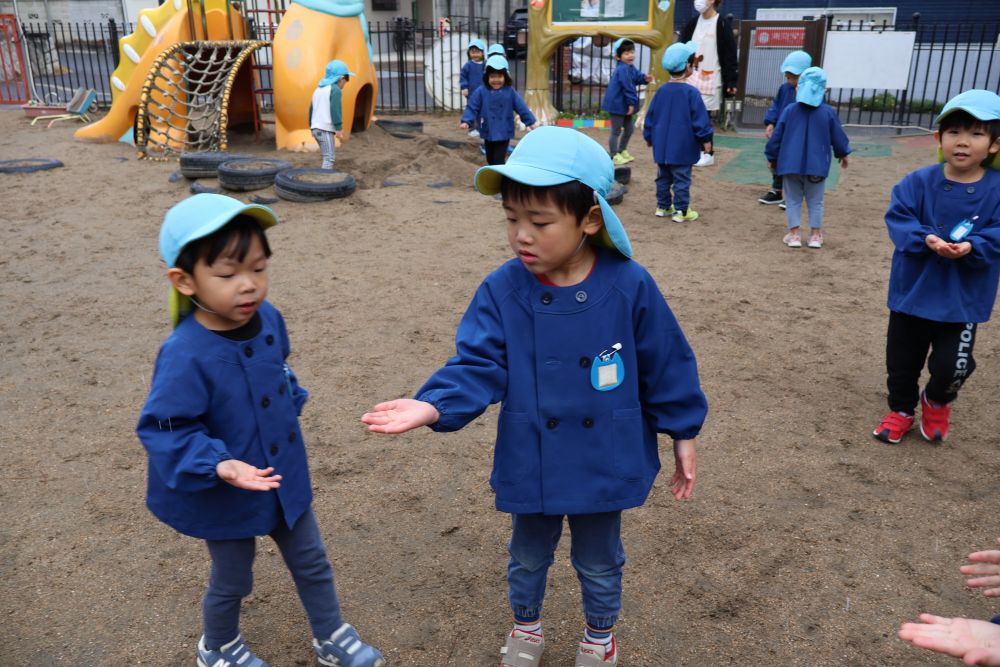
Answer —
596 655
792 240
816 241
706 160
473 133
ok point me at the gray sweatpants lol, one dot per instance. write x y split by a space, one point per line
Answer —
327 146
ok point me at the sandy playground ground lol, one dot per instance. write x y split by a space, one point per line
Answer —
806 542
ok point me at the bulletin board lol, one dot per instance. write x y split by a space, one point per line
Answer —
601 11
874 60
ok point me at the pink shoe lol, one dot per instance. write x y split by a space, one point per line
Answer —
816 241
792 240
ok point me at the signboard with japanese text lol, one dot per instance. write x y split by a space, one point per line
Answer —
601 11
779 38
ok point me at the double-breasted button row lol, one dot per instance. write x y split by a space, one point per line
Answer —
588 422
546 297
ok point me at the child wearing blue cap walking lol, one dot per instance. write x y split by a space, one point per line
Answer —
795 63
495 104
325 115
799 152
227 461
470 79
576 342
622 99
944 221
678 129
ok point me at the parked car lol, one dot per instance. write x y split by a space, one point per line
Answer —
515 33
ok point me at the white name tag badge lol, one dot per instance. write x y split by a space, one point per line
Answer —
607 372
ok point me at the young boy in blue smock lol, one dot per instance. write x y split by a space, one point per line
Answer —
576 342
945 223
678 129
227 461
799 152
325 115
622 99
795 63
495 104
470 78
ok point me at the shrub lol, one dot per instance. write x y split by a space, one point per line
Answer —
881 102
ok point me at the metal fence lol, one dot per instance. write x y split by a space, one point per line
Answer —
412 59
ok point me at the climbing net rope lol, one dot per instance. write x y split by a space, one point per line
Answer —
184 103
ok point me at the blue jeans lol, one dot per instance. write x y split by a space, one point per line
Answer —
807 188
232 579
597 555
678 177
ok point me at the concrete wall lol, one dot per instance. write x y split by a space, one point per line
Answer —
66 11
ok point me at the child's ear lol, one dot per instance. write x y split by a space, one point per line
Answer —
937 136
593 221
995 147
181 280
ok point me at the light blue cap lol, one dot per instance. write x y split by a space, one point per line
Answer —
980 104
618 43
554 155
477 43
812 87
194 218
498 63
796 62
676 57
496 49
334 70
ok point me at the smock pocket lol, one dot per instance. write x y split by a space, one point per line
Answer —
517 447
629 447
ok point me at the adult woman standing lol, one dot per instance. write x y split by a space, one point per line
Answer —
716 75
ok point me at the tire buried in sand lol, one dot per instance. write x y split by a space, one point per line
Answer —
28 165
205 164
313 184
251 174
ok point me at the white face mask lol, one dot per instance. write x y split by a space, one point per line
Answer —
700 6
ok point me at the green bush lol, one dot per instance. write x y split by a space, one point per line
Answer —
880 102
926 106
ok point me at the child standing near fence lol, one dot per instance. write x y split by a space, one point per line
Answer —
799 152
678 129
496 103
945 223
227 462
577 343
325 115
470 79
622 100
795 63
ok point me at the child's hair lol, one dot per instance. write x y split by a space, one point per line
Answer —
691 61
507 80
626 45
571 197
966 121
235 237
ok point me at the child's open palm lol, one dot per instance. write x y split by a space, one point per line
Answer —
986 571
245 476
400 416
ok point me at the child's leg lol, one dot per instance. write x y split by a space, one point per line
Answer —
617 120
794 193
776 183
230 581
664 181
813 192
304 554
951 361
598 557
496 151
627 128
533 542
906 345
682 186
327 146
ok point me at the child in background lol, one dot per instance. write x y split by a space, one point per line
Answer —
325 115
795 63
220 426
470 79
678 129
577 343
945 223
496 50
496 103
622 99
799 152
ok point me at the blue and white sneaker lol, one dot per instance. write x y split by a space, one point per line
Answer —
233 654
344 648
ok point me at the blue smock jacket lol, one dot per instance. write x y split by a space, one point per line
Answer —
622 89
784 97
677 124
214 399
924 284
562 446
471 76
496 108
802 140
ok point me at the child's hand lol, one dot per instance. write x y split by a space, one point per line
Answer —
649 79
984 563
630 110
768 131
976 642
843 162
465 92
339 134
464 126
685 469
947 250
400 416
245 476
772 166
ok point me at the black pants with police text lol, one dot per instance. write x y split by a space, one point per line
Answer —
950 363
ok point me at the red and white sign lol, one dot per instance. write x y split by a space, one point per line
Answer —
779 37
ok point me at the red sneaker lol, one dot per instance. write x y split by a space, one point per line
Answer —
933 420
893 427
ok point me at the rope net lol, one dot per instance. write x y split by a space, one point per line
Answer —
184 104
